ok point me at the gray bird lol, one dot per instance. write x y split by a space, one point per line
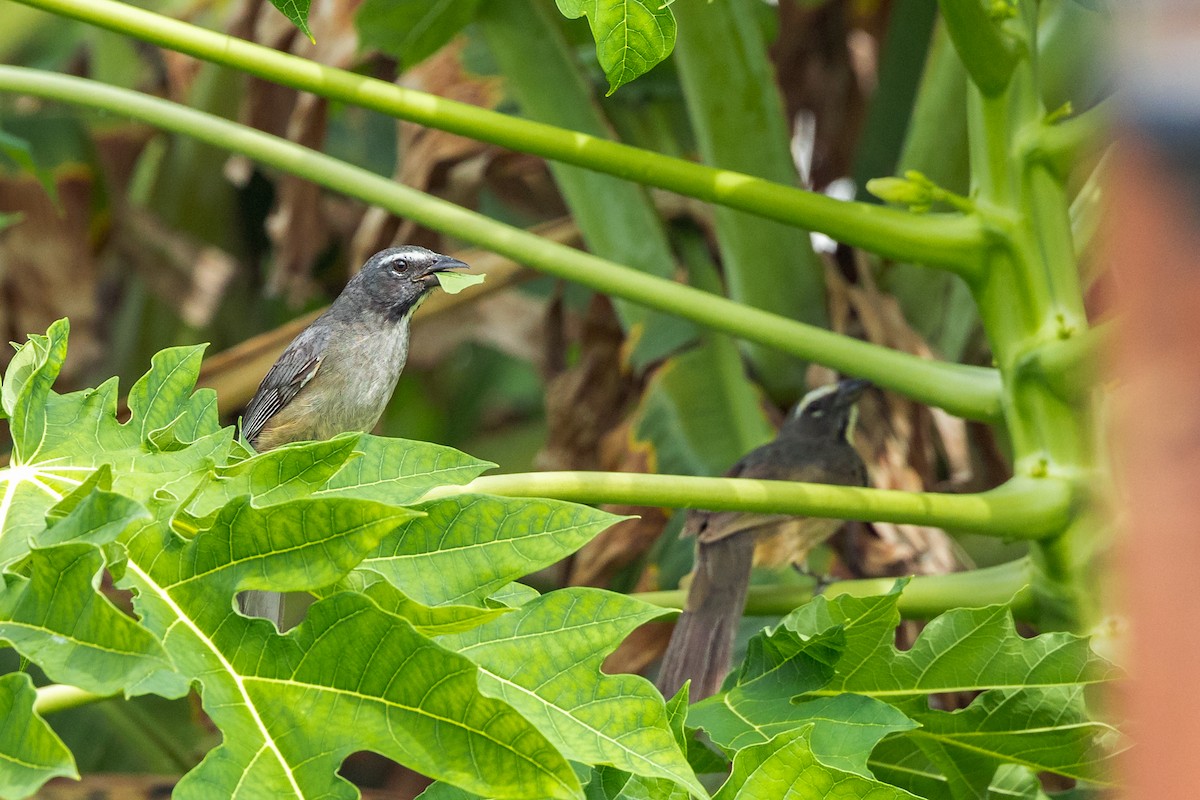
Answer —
338 374
813 446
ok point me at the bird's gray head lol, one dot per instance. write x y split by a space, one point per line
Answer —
393 282
829 411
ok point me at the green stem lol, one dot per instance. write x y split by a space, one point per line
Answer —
1023 508
924 597
950 241
60 697
970 392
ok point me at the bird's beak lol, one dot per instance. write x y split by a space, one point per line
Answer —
447 263
851 389
442 264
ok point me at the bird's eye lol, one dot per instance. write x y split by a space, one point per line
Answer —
399 265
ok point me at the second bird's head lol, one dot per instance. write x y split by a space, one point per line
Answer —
829 411
393 282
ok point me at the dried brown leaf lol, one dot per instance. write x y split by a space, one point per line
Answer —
626 542
301 226
48 264
297 225
441 163
584 403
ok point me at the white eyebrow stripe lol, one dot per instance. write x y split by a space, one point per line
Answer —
813 396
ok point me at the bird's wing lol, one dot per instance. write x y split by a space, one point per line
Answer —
296 367
710 526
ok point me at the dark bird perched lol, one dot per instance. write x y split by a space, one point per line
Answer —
812 446
338 374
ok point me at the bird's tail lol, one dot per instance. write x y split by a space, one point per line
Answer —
702 644
267 605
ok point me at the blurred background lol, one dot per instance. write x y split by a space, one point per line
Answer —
155 240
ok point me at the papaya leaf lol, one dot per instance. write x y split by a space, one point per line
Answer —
632 36
429 620
785 767
455 282
279 475
1044 729
351 676
297 12
544 660
966 649
514 595
59 441
610 783
607 782
843 728
56 618
400 471
181 514
26 388
1016 783
468 546
98 518
30 753
831 657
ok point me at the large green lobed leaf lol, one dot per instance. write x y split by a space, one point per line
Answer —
544 660
468 546
786 768
30 753
832 669
183 515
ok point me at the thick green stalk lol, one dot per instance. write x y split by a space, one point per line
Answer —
1029 299
60 697
950 241
1030 296
924 597
737 116
966 391
1023 508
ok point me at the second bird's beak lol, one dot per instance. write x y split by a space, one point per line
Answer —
851 389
